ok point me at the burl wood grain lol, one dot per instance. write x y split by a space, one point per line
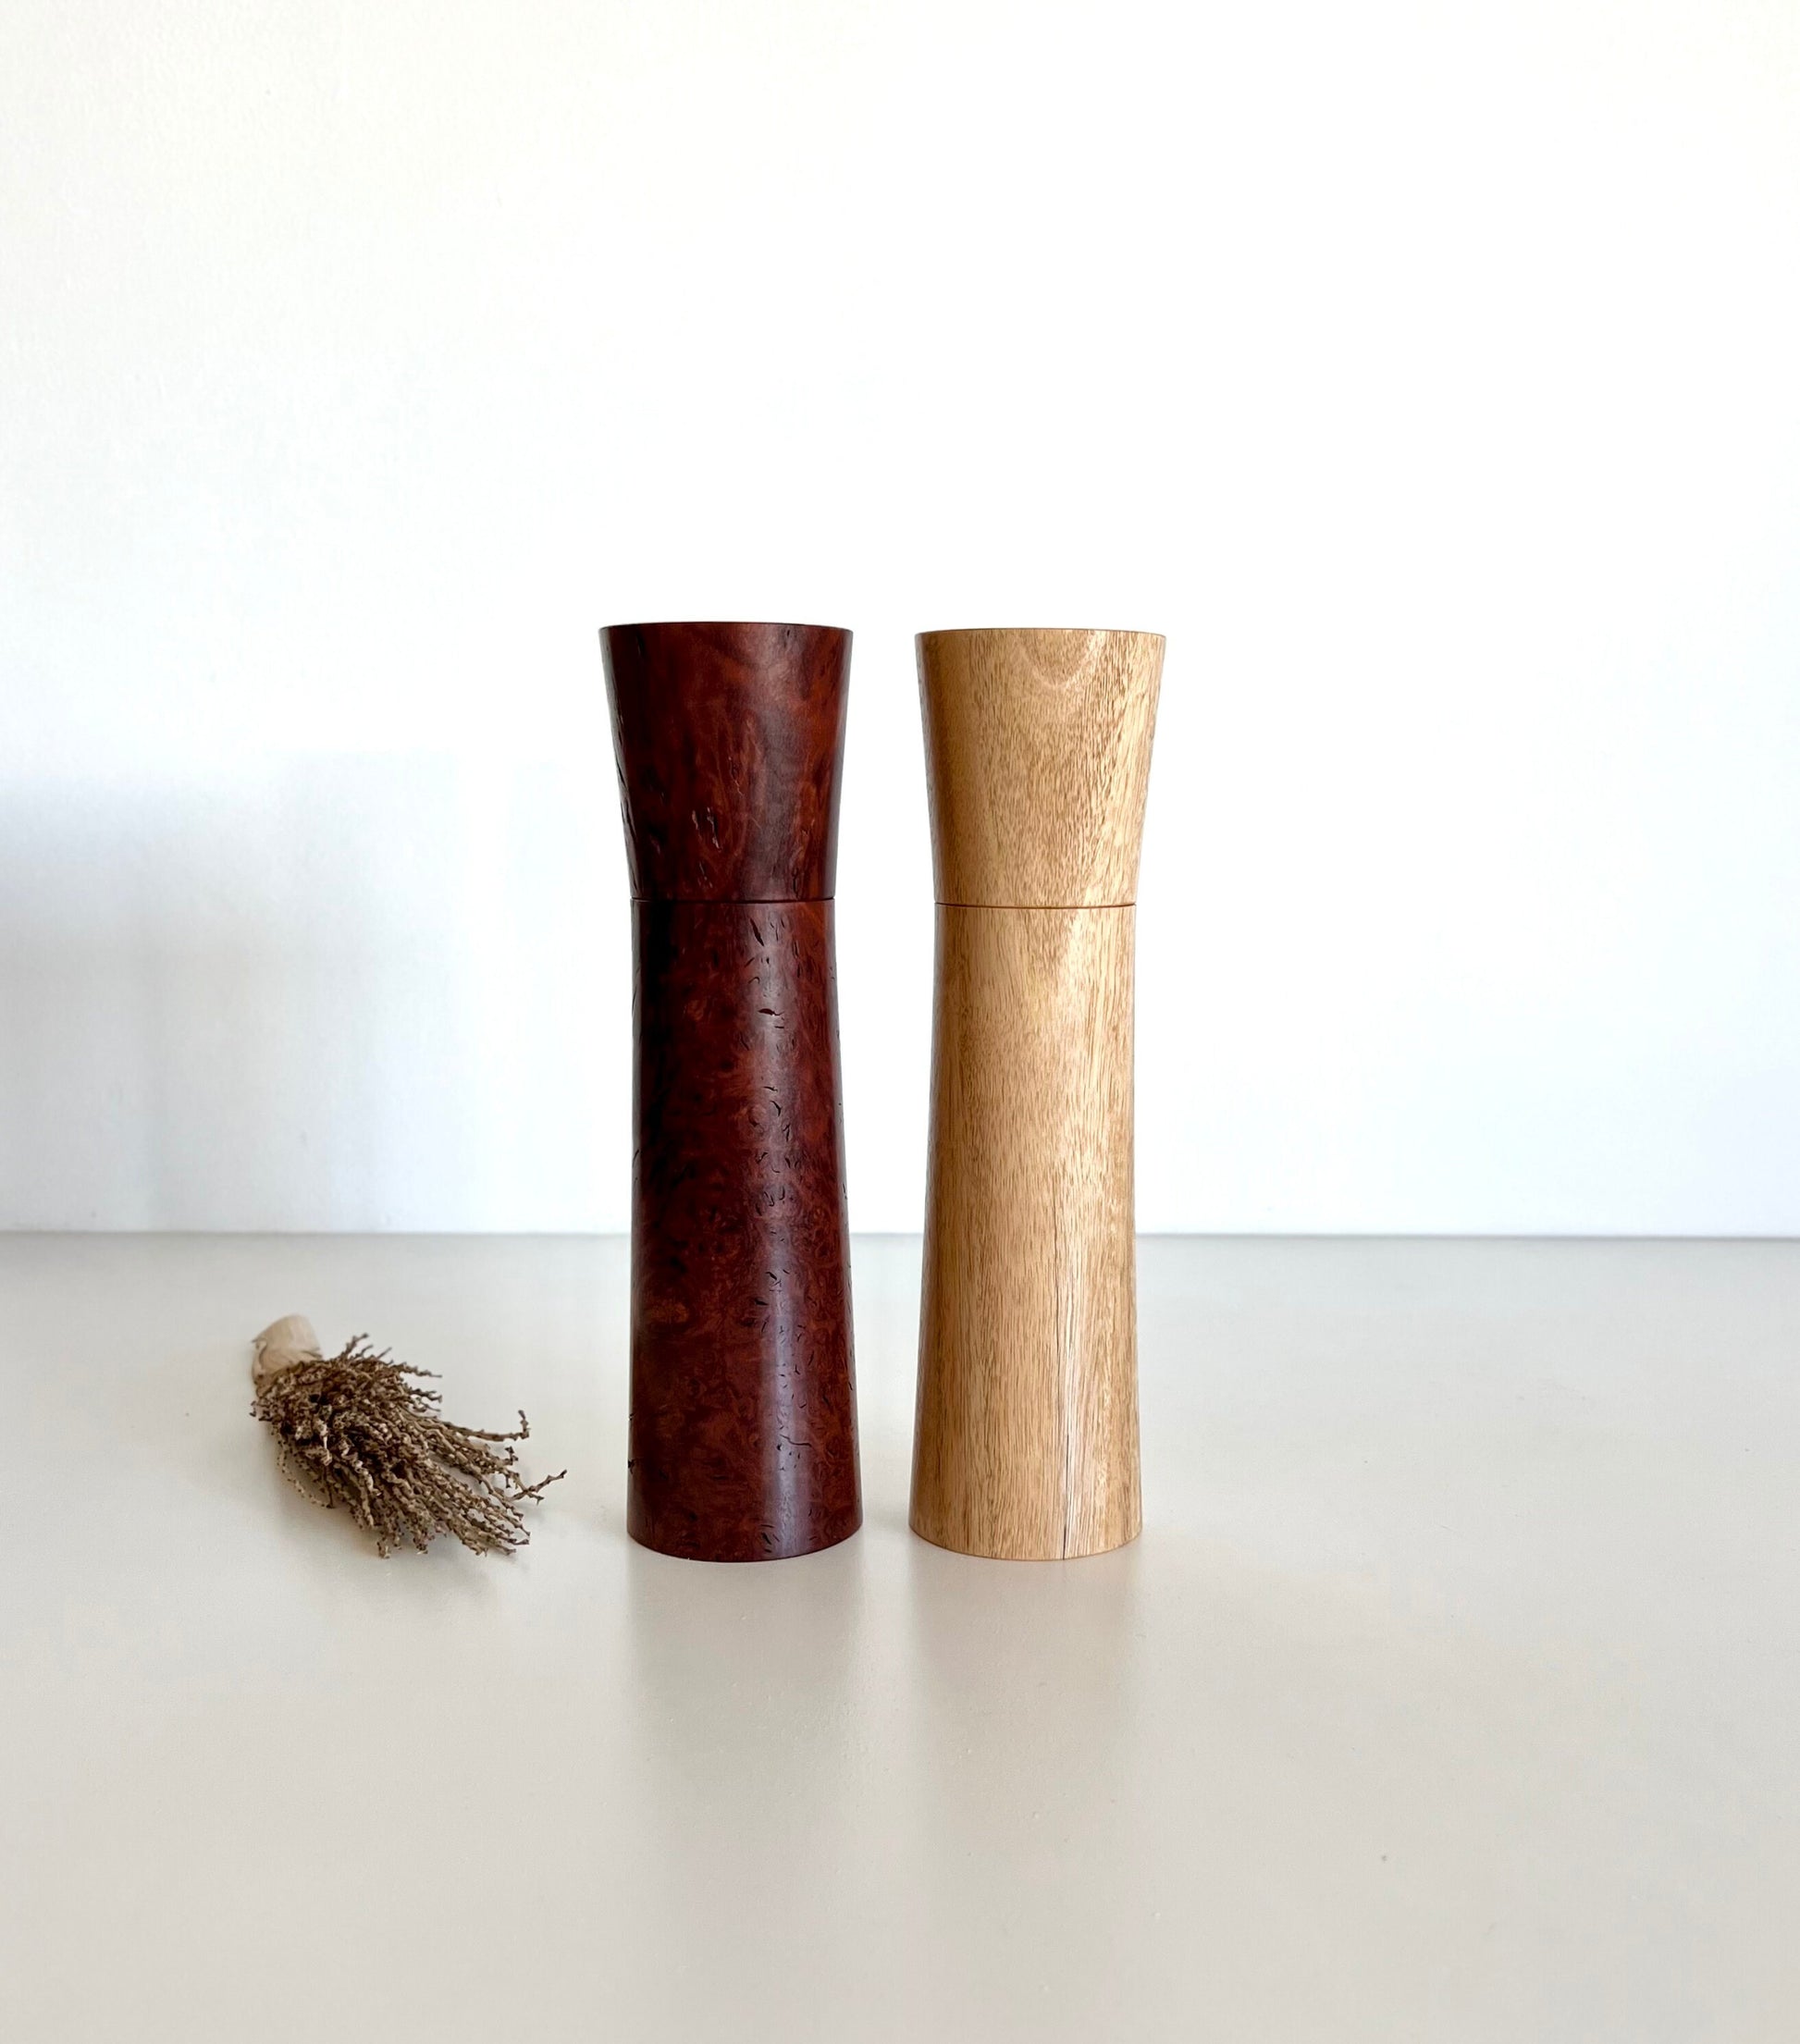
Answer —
743 1411
1026 1446
1037 752
729 739
743 1406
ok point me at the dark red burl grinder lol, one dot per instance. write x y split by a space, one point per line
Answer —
742 1393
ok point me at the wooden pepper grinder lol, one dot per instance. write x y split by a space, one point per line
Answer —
1038 757
743 1402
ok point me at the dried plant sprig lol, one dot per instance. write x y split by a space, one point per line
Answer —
361 1431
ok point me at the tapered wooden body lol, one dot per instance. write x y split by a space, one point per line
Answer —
1037 754
743 1406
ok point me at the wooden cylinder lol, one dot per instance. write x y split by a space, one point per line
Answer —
743 1402
1038 758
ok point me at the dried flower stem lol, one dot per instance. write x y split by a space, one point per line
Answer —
359 1430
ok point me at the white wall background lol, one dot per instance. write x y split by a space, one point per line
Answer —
1430 373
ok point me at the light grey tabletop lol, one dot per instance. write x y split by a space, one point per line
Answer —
1450 1693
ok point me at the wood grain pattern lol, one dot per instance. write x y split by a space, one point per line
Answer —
1037 750
743 1414
1026 1446
743 1406
730 742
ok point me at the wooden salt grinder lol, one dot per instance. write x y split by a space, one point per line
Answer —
1038 757
743 1404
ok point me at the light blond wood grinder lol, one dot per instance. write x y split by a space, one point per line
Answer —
1037 748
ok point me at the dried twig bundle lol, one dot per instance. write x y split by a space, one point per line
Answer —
359 1430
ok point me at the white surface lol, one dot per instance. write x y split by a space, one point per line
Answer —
1448 1694
1425 371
